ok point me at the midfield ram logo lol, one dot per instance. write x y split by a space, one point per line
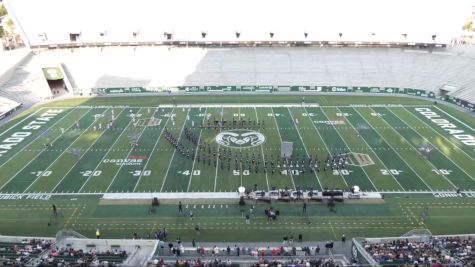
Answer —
240 138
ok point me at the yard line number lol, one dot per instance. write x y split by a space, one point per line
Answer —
42 173
91 173
390 172
442 171
141 173
188 172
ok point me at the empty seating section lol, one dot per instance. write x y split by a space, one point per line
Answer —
406 68
466 93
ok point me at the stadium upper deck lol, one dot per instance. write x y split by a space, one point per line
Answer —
58 22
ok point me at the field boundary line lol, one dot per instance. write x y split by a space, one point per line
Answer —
433 166
196 153
70 169
130 150
217 154
64 151
305 147
374 152
262 153
107 153
36 138
461 195
349 149
174 151
234 105
24 119
153 149
424 138
433 129
395 151
280 136
34 158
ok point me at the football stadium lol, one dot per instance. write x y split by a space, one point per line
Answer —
237 133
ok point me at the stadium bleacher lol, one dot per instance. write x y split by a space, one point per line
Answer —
22 252
7 106
20 80
437 251
406 68
70 256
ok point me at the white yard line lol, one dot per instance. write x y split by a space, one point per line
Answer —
196 153
456 145
217 154
341 137
173 155
280 136
240 151
433 147
258 105
395 151
128 154
85 152
35 157
64 151
105 155
36 138
374 152
305 147
262 152
153 149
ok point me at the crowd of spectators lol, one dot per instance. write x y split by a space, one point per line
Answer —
437 252
73 257
458 248
22 252
233 255
261 262
177 249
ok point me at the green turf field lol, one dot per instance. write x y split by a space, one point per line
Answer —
91 151
87 155
224 222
